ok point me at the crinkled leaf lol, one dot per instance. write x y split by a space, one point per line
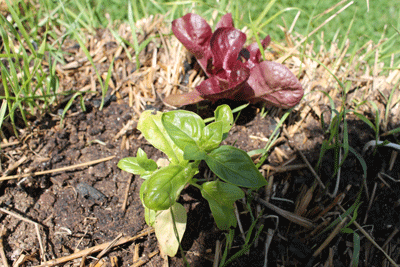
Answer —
255 53
165 230
225 21
153 130
222 86
212 136
184 127
224 114
226 44
234 166
162 188
195 34
220 197
274 83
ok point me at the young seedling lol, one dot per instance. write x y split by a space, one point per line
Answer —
233 72
186 139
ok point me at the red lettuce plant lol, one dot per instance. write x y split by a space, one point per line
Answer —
233 72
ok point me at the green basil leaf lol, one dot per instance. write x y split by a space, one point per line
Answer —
212 136
224 113
149 216
184 127
162 188
234 166
193 153
153 130
144 162
220 197
131 165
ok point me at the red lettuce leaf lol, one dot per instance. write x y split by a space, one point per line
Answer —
226 44
195 34
273 83
225 21
221 86
255 53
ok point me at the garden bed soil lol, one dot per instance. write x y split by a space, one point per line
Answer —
47 217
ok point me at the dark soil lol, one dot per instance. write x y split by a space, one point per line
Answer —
84 207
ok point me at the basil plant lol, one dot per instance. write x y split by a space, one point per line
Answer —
187 140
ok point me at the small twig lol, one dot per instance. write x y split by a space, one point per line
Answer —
217 253
95 249
239 223
270 235
9 144
2 253
286 214
127 193
106 249
330 237
56 170
141 262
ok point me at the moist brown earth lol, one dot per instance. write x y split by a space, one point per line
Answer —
81 208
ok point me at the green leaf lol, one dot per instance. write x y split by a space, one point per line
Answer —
193 153
224 113
162 188
140 165
184 127
149 216
220 197
144 162
167 221
234 166
212 136
151 127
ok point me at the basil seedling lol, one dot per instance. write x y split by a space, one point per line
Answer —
186 140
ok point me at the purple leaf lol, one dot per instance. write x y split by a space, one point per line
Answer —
195 34
225 21
255 53
221 86
274 83
226 44
234 72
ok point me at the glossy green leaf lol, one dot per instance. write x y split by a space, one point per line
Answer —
139 165
144 162
212 136
224 113
153 130
184 127
149 216
234 166
220 197
167 221
193 153
162 188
